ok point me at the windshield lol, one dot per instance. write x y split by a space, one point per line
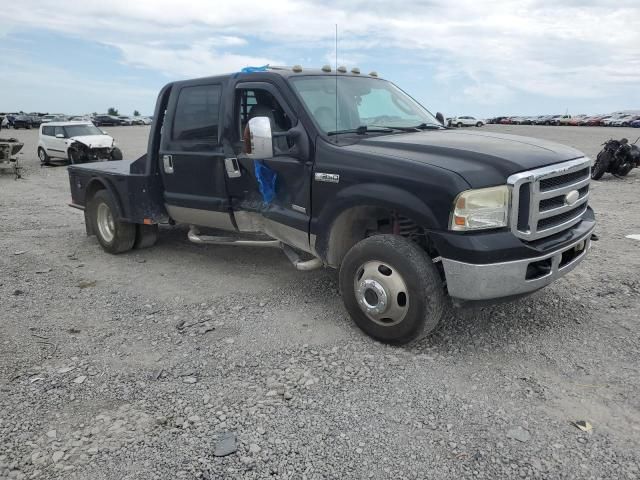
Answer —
80 130
361 101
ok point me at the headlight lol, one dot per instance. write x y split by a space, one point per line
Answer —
480 209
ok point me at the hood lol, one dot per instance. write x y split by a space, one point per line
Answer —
482 158
94 141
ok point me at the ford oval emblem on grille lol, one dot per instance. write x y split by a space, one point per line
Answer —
571 198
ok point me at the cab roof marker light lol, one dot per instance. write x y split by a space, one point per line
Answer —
342 69
296 68
355 70
373 74
326 68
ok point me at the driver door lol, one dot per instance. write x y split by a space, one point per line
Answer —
285 215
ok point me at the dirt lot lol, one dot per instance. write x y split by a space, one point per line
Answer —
146 365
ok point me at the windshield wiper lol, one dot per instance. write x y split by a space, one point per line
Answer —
422 126
361 130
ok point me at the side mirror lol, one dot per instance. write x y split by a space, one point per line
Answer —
59 135
104 132
258 140
440 117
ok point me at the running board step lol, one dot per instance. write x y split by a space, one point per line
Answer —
297 262
195 237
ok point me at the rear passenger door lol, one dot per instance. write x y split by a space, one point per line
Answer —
192 157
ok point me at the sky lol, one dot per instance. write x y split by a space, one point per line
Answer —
461 57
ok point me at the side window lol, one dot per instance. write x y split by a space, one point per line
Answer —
47 131
58 131
196 116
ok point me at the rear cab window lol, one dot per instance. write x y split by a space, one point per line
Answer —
196 119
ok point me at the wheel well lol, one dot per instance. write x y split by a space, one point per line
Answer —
358 223
92 189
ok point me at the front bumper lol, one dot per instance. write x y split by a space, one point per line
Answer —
474 282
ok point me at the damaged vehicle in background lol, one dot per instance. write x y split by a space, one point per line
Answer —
76 142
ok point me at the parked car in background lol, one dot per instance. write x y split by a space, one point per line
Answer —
466 122
106 120
75 141
610 121
624 121
543 119
574 120
556 119
635 124
144 120
128 121
597 120
22 121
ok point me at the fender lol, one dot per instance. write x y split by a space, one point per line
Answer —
369 195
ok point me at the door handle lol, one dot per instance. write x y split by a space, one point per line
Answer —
232 167
167 161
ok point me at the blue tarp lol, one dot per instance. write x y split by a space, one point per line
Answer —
266 180
255 69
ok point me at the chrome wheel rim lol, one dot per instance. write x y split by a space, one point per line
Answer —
381 293
105 222
41 154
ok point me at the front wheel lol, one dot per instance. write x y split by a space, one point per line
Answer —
114 235
74 156
391 289
459 125
116 154
479 124
601 165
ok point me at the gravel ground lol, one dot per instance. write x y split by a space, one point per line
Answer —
187 361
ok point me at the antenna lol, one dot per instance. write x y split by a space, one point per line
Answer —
336 81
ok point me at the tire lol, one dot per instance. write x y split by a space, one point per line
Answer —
624 169
116 154
146 236
42 155
459 125
114 235
73 155
406 275
479 124
601 165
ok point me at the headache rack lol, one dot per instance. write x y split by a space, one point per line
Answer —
548 200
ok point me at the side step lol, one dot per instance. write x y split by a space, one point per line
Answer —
297 262
195 237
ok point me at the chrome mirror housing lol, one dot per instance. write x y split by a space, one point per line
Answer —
259 144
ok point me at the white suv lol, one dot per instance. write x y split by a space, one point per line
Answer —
77 142
466 122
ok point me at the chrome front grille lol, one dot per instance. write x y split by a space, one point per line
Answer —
539 203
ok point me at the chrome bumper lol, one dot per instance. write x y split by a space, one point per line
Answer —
467 281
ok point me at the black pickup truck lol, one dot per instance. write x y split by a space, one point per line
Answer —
349 170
